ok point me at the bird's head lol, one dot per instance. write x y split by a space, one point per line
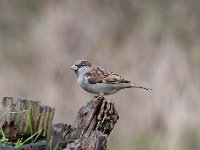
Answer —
81 67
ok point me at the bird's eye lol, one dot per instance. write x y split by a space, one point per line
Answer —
82 64
79 65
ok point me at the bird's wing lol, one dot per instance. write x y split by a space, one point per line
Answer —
100 75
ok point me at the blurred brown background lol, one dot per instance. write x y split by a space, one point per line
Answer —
155 43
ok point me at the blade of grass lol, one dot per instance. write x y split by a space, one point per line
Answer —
30 138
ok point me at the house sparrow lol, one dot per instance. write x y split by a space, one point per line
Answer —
99 81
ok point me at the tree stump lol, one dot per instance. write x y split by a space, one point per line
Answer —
24 119
89 131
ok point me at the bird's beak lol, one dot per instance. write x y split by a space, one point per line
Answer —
74 67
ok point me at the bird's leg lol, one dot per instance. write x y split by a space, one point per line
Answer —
99 96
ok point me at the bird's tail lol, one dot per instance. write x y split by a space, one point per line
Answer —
138 86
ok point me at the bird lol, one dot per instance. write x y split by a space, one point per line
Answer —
97 80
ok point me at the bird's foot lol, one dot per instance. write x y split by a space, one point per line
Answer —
98 96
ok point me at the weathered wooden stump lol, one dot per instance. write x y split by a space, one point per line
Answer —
24 119
29 118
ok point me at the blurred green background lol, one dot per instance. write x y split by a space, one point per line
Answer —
155 43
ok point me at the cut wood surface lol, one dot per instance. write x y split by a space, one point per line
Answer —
25 118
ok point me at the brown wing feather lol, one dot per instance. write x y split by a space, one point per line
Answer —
100 75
